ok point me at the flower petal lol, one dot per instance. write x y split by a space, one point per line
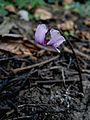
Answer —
56 38
40 34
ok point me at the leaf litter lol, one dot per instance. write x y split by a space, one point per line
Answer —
38 83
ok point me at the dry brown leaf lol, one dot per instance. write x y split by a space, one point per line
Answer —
85 50
17 48
68 1
87 22
42 14
68 25
84 34
11 8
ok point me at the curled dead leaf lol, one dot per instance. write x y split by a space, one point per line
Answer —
68 25
17 48
11 8
87 22
42 14
84 34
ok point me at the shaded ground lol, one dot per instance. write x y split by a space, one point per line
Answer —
36 82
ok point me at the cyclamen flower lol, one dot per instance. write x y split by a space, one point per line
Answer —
56 38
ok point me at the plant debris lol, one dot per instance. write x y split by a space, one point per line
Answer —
38 83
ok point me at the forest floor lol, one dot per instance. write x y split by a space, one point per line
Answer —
36 82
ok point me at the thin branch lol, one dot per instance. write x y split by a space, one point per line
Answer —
35 65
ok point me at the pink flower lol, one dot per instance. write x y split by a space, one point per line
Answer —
56 38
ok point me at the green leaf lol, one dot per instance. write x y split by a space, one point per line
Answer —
66 33
82 9
3 11
36 3
71 33
31 17
22 3
25 3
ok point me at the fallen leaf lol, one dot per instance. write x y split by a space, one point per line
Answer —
11 8
68 1
42 14
17 48
18 26
87 22
6 26
67 25
83 35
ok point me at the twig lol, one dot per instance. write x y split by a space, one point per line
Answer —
86 71
54 81
78 53
35 65
63 77
34 105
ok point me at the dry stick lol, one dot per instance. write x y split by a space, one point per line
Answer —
86 71
78 67
53 81
78 53
35 65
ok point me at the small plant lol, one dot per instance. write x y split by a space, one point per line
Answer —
21 4
80 8
2 7
24 3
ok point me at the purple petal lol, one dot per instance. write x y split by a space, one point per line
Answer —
56 38
40 34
